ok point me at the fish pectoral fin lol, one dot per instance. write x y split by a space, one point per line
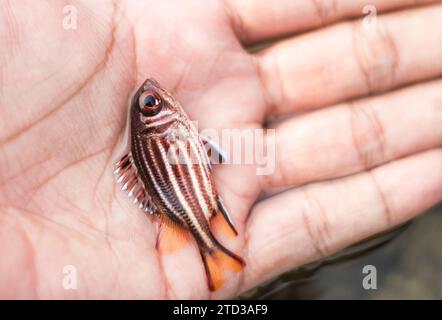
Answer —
222 222
171 236
215 154
216 262
129 179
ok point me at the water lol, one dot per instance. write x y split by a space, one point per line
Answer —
408 261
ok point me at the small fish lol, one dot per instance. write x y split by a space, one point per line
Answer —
168 173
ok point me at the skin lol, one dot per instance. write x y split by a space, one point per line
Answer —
360 140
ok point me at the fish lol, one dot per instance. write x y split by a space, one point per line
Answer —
168 173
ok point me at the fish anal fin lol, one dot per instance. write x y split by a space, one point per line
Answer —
220 225
221 221
171 236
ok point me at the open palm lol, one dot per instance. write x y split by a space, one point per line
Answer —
360 166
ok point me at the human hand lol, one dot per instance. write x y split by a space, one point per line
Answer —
360 166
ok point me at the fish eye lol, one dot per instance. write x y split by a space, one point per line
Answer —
150 104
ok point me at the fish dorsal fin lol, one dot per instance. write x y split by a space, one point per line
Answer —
129 179
222 222
171 236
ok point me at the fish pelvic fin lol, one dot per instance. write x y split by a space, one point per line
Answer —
171 237
216 262
221 222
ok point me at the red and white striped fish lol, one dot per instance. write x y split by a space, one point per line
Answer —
168 173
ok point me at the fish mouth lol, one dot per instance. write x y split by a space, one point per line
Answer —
151 82
154 85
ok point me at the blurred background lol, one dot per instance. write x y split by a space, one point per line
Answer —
408 260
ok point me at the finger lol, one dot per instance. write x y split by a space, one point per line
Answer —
305 224
356 136
350 60
255 20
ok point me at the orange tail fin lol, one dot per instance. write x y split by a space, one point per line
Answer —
216 262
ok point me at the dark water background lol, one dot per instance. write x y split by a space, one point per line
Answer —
408 261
